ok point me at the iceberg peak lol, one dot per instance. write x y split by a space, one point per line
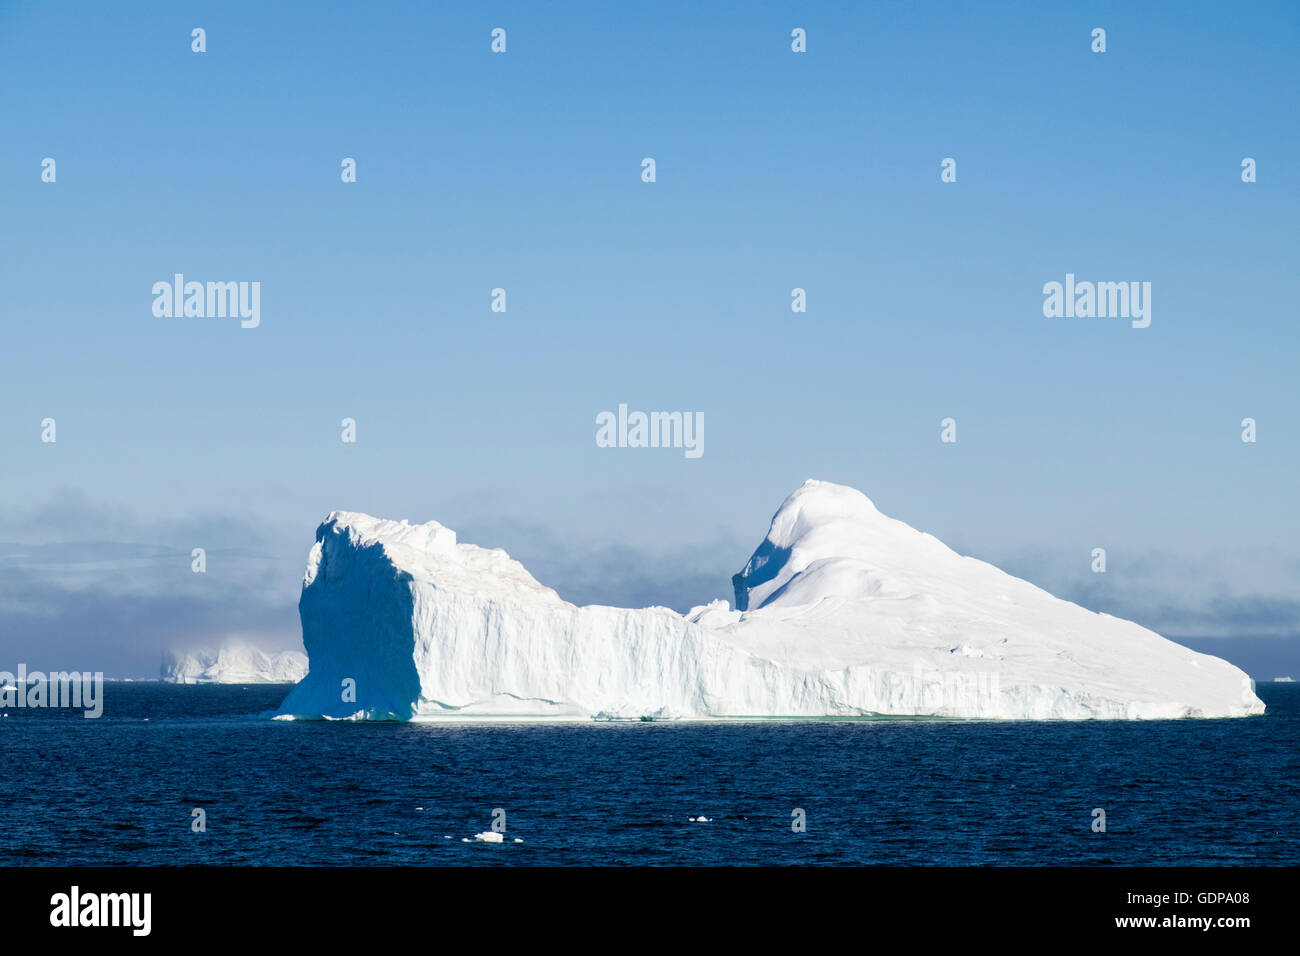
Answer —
829 540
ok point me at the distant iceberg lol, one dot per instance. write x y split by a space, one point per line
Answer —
840 612
236 662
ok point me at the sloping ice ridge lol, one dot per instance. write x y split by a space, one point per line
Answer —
841 611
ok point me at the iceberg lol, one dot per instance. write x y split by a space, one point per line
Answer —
235 662
840 612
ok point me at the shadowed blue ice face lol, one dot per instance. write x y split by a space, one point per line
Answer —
765 565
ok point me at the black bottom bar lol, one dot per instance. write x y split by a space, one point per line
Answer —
534 904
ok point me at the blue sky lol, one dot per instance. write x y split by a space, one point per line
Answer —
775 170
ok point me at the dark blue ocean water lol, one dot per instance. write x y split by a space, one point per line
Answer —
120 789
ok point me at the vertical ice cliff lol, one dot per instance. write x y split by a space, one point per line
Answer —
841 611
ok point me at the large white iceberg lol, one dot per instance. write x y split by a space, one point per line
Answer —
841 611
235 662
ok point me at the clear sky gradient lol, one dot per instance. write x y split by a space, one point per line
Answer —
522 170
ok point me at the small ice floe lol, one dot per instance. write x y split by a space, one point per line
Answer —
446 836
699 820
488 836
464 839
517 840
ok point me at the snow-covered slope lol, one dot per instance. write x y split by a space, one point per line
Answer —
841 611
234 663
